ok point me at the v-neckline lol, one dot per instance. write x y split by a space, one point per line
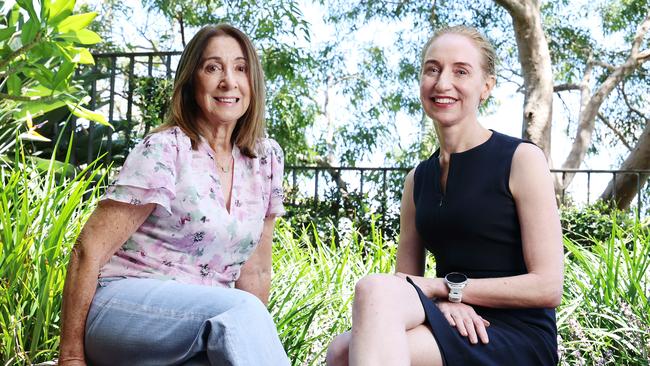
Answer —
453 156
222 195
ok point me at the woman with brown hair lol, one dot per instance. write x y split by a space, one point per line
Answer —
181 241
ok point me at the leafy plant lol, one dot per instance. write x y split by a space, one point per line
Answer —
41 214
41 44
605 314
593 223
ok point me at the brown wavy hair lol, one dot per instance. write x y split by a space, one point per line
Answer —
183 111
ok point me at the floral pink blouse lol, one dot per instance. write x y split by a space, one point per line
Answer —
191 237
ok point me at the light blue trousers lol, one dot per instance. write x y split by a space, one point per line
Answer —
151 322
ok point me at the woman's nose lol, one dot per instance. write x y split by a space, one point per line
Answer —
227 81
444 81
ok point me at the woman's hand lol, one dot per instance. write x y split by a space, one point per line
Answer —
465 319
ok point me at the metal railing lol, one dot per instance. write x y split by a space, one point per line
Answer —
381 188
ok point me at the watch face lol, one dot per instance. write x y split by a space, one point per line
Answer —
456 277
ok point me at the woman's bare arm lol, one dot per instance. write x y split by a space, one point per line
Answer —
110 225
411 254
255 274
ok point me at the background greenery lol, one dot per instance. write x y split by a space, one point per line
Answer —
603 320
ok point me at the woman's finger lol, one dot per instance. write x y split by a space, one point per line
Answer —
479 325
449 319
460 325
471 330
485 322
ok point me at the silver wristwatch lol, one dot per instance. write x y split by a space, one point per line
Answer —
456 281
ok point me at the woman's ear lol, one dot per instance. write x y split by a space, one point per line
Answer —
490 82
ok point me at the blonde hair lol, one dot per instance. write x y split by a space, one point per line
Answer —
184 110
484 46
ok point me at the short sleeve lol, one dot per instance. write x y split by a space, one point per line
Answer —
276 157
149 173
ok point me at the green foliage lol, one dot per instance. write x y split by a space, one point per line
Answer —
605 314
593 223
603 318
40 47
41 213
313 282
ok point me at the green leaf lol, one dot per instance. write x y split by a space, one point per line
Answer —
63 75
29 30
14 84
14 16
82 112
6 33
39 73
37 108
84 36
60 10
83 56
38 91
76 22
65 51
29 6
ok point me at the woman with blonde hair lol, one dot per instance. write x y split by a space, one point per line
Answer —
181 241
484 205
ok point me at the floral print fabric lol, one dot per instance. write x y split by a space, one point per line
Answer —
190 236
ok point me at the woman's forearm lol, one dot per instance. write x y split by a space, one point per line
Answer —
78 292
257 283
529 290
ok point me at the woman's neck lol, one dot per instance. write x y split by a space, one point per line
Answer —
218 136
455 139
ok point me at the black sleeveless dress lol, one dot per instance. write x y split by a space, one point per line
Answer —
473 228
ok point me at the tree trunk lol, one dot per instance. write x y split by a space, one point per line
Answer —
626 186
535 61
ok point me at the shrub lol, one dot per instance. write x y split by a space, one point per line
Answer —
593 223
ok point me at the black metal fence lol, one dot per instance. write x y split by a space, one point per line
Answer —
378 190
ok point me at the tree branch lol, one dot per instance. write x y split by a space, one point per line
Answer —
638 38
513 6
629 105
20 98
590 110
616 131
21 50
565 87
643 56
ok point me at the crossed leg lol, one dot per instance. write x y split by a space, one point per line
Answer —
387 327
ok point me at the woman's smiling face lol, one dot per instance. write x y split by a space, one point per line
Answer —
223 89
453 81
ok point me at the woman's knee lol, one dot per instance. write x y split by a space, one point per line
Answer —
337 352
372 289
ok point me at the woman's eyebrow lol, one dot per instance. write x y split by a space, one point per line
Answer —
217 58
459 63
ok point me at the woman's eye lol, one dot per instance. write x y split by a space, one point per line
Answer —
212 68
462 72
433 70
241 68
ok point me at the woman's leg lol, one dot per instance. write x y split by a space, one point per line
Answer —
152 322
423 348
387 318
